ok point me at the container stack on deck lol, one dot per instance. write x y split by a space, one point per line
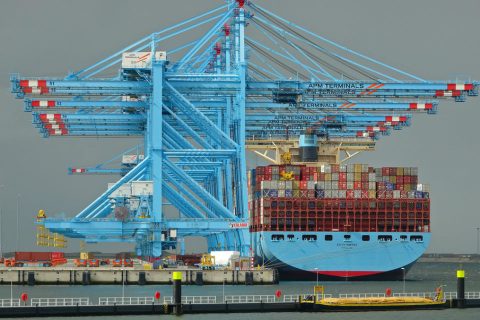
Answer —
391 197
355 181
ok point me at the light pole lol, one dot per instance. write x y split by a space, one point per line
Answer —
478 240
403 271
18 211
123 285
223 290
1 226
11 287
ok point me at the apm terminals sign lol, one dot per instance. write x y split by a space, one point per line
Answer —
239 225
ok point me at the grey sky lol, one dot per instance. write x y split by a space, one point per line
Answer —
434 39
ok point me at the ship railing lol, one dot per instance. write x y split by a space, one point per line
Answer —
304 296
471 295
415 294
9 303
451 294
105 301
57 302
251 299
192 300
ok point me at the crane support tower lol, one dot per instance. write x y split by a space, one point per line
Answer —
201 105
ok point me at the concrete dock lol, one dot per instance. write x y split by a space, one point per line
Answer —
109 275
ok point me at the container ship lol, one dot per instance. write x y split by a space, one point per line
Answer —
338 221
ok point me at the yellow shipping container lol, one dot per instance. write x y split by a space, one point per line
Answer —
372 194
147 266
400 171
358 175
358 168
328 177
86 255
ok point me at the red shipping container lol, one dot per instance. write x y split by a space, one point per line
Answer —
342 185
268 170
350 194
335 168
321 177
406 179
400 179
303 185
311 194
403 194
364 185
399 186
315 177
365 177
342 176
58 255
385 171
364 194
357 185
414 180
32 256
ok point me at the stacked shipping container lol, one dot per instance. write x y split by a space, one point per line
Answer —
352 197
355 181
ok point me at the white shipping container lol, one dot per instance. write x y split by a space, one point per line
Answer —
350 177
141 60
223 257
396 194
274 184
328 193
343 168
357 194
281 185
334 176
124 190
334 185
265 185
371 177
371 185
334 193
320 184
142 188
132 158
328 185
342 193
311 185
349 185
288 184
281 193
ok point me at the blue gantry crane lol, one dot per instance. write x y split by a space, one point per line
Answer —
201 105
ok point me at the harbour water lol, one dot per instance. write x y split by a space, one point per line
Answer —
423 277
